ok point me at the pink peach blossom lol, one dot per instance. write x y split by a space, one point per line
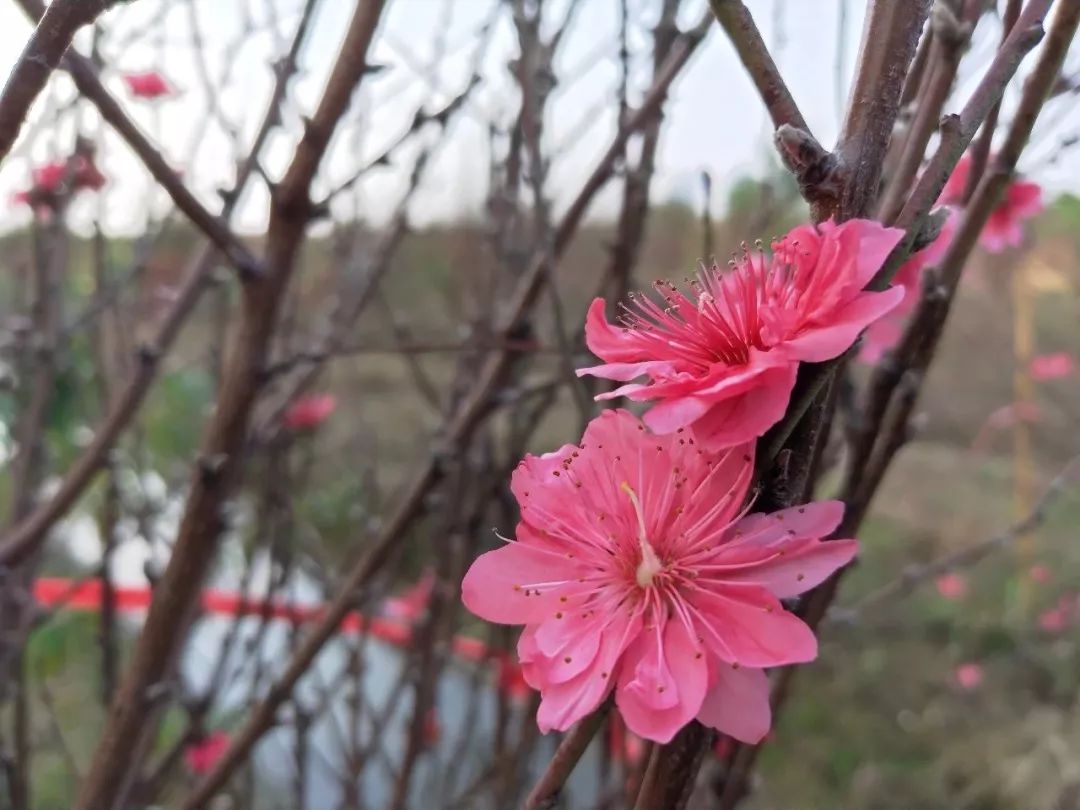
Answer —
48 181
969 676
1005 417
1054 620
722 361
1022 200
202 756
1040 573
1054 366
884 333
635 569
148 85
951 586
309 412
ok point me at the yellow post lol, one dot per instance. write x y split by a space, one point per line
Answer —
1024 400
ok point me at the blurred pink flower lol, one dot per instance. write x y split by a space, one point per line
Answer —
969 676
1005 417
1054 620
1054 366
1022 200
722 360
202 756
48 180
309 412
951 586
1009 415
411 603
636 569
884 333
1040 573
148 85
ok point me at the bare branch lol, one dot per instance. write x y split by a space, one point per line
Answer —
84 74
43 51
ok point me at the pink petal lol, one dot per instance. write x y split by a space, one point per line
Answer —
623 372
801 566
570 644
969 676
563 704
669 415
746 416
875 243
610 343
494 589
1025 199
738 704
820 343
817 519
747 625
653 714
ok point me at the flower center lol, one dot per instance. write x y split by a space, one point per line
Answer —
650 564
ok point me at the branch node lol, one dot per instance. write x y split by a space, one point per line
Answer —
815 168
148 354
210 467
931 229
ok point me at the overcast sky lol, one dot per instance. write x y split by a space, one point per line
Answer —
715 120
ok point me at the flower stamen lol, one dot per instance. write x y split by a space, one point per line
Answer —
650 564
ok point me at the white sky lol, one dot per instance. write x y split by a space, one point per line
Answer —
715 119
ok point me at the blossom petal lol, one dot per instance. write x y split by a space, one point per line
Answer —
738 704
1025 199
494 587
799 567
747 625
821 343
816 519
563 704
610 343
624 372
685 684
876 242
747 416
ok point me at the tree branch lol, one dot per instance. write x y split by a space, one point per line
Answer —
132 719
32 530
738 24
84 74
52 36
470 411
